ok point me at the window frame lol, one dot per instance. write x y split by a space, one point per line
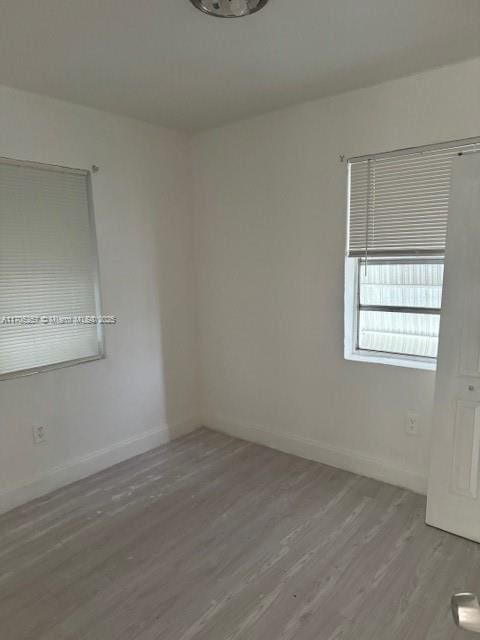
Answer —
352 351
21 373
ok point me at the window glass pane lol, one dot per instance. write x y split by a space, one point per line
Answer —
401 284
402 333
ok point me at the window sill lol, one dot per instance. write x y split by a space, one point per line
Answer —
374 357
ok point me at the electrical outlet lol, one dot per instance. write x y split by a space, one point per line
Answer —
412 423
39 435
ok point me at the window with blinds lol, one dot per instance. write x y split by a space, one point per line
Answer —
49 295
397 227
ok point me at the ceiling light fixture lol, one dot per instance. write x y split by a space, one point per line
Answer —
229 8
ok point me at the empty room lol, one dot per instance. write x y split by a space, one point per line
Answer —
239 319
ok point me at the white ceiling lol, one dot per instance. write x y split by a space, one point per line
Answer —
165 62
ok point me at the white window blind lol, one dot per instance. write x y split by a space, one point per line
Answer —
48 268
398 203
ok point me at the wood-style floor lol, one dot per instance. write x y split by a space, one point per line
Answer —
213 538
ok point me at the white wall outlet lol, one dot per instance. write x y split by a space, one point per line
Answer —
412 423
39 435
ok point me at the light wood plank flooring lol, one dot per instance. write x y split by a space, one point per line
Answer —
213 538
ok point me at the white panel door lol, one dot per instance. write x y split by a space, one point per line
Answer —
453 491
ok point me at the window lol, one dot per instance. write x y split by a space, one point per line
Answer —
399 306
397 223
49 294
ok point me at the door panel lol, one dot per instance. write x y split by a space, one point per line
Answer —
465 449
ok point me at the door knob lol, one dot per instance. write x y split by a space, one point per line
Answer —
466 611
471 387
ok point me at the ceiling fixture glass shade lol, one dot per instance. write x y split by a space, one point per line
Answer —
229 8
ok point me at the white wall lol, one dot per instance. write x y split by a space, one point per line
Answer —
146 389
270 221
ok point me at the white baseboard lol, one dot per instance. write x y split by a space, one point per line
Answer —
342 458
91 463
